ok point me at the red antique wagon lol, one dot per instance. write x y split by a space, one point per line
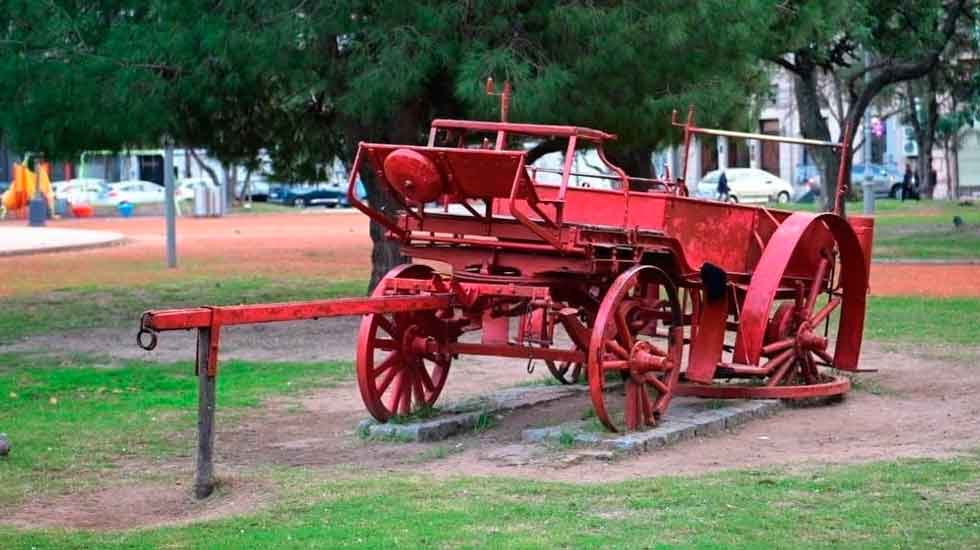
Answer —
656 291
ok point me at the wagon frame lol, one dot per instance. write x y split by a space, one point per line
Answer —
642 279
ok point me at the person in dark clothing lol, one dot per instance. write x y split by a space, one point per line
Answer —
907 182
723 189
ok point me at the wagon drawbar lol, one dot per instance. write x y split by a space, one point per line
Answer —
667 294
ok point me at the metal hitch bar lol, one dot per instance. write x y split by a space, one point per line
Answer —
214 317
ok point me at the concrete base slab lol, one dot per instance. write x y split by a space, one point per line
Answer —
687 418
468 415
34 240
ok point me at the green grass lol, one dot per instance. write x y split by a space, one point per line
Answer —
935 242
905 504
264 208
920 229
69 418
923 320
99 306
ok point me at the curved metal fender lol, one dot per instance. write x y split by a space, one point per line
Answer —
770 270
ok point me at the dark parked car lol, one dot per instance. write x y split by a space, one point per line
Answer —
302 195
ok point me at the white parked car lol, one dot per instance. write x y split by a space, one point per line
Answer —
81 190
747 185
134 192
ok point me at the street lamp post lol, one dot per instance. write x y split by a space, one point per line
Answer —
169 203
867 186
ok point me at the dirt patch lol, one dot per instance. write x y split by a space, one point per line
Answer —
272 245
121 507
894 279
913 407
924 408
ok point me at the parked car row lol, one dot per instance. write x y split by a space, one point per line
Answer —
96 192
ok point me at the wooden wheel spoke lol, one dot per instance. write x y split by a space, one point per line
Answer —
394 398
828 358
386 325
615 365
652 379
388 363
426 379
418 388
623 329
825 311
388 379
617 349
405 403
386 344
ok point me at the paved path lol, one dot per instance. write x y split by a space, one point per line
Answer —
32 240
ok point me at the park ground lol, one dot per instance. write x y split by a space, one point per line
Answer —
103 432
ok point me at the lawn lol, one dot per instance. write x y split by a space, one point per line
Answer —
904 504
72 417
103 306
921 229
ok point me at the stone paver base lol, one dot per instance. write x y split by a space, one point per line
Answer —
688 417
468 415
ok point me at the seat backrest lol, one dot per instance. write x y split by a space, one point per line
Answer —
467 173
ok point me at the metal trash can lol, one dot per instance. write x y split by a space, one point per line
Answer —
37 211
215 200
201 197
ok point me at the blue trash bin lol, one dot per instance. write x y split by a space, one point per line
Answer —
125 209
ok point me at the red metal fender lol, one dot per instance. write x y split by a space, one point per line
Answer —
769 273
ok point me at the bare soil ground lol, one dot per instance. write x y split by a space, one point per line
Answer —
332 244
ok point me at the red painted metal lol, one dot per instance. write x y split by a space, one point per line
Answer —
602 256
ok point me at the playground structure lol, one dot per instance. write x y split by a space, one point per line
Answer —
659 292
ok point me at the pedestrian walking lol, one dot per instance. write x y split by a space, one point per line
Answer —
723 190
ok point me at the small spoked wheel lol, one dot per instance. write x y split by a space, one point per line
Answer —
794 339
622 348
397 374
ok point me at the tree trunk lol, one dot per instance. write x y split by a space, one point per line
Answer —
814 126
207 169
403 128
231 182
385 253
247 186
635 161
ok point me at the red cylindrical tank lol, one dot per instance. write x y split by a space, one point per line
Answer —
864 228
414 175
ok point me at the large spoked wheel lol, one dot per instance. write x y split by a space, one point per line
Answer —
395 373
622 348
798 359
